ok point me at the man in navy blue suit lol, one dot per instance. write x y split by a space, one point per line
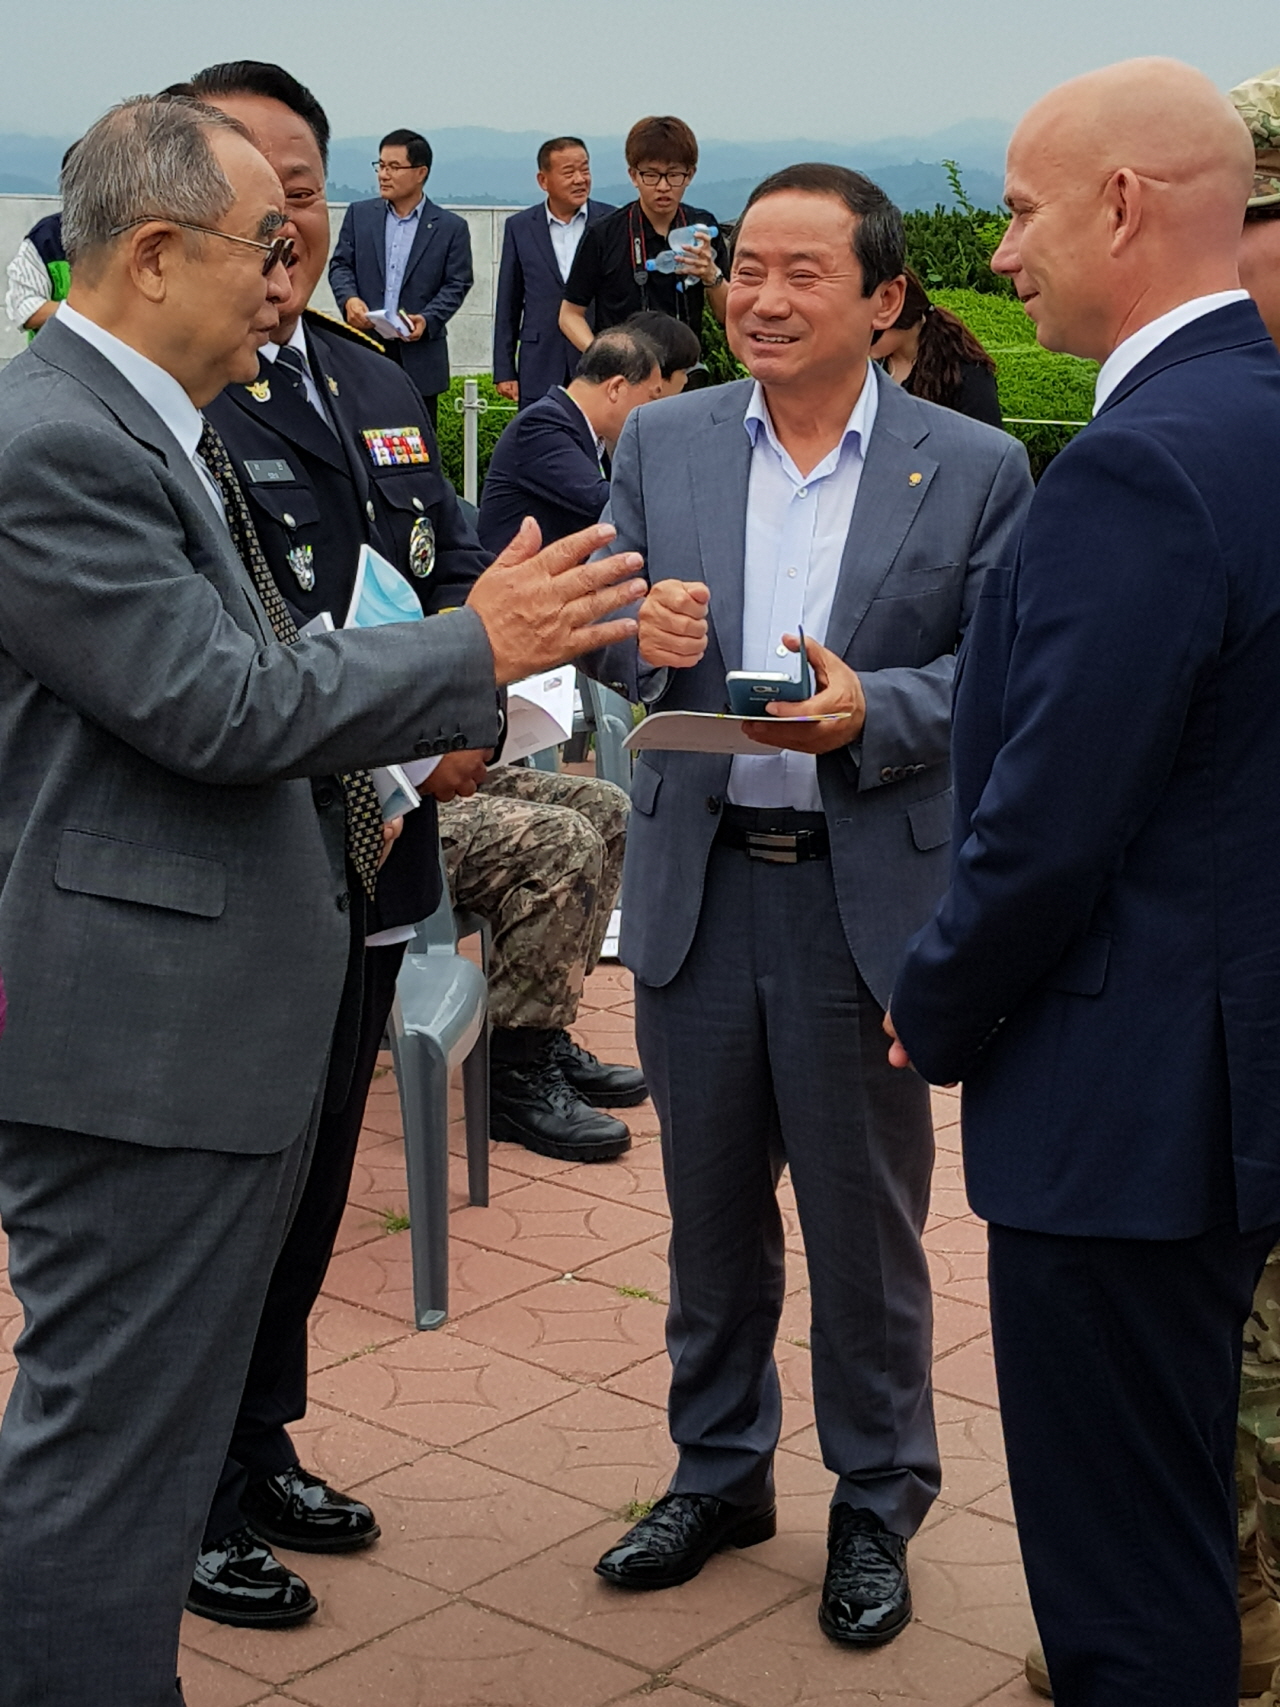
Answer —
1104 972
402 251
550 461
530 352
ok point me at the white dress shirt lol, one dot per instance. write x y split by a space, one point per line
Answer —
298 342
154 385
797 526
566 234
1139 345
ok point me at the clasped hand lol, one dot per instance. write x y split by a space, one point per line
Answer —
839 691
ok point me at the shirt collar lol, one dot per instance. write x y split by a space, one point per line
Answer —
862 418
295 341
153 384
403 219
1139 345
573 218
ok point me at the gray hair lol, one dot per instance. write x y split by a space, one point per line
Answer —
147 157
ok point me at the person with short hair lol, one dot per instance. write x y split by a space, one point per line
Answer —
402 251
768 897
1103 974
679 352
530 352
933 354
550 461
609 269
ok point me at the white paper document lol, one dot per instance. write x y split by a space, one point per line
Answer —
394 325
705 732
539 713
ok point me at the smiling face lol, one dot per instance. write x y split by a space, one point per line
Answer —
796 314
290 148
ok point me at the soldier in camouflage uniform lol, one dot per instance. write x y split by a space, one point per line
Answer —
1258 1420
540 857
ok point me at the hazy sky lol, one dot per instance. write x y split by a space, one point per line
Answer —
840 69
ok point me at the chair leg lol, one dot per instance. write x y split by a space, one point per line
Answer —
475 1096
425 1098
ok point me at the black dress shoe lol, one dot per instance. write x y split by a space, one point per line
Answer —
532 1103
679 1535
298 1510
240 1581
866 1598
595 1081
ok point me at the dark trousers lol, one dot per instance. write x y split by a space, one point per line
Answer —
140 1273
1119 1374
766 1049
275 1388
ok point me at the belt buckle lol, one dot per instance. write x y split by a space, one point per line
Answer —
777 849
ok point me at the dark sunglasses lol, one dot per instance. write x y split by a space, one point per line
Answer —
279 252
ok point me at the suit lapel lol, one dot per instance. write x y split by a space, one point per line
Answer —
720 514
542 240
289 414
428 220
347 450
896 475
376 238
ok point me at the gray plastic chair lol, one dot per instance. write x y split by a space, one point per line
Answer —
607 716
440 1019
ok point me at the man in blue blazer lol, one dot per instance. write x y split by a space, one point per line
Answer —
403 251
1104 973
768 900
530 352
550 461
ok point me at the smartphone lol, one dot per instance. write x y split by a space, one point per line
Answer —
751 690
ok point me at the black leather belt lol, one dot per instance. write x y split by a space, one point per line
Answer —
782 837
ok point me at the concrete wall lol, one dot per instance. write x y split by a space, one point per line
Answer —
470 330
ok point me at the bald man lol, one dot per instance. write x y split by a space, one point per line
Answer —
1104 971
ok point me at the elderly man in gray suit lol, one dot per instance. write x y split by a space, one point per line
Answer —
768 900
182 803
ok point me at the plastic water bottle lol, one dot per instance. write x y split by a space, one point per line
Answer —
682 238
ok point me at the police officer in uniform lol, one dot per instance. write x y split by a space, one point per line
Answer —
334 450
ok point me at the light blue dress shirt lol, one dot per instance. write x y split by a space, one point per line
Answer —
797 526
566 234
400 234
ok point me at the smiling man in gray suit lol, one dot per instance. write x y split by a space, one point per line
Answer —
768 900
181 806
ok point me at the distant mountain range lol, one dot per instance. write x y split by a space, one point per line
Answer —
476 164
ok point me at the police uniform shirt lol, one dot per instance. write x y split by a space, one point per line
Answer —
604 269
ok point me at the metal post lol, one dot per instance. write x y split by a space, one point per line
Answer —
472 405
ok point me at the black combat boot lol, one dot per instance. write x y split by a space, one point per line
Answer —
532 1103
596 1081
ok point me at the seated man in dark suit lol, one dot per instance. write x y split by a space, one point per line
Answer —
530 352
549 464
401 250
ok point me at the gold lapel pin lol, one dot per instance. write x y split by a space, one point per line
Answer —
260 391
332 383
914 479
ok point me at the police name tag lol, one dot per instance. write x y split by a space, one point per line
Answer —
395 447
274 471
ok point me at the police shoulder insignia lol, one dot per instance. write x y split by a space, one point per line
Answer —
330 323
395 447
260 390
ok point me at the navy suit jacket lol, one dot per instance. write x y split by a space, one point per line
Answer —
1104 972
436 280
545 466
527 311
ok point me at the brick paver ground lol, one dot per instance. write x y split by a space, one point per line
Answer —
502 1451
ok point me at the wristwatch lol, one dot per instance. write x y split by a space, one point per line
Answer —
718 280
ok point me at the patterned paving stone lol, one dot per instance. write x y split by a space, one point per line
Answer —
573 1326
379 1277
551 1223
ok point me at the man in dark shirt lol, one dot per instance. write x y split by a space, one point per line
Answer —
549 462
609 267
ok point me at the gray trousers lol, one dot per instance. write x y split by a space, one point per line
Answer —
141 1273
766 1049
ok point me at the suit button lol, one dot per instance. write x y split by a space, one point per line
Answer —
439 747
324 797
343 902
886 775
417 504
288 520
713 803
459 743
369 509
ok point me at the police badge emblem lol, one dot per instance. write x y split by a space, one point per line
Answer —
332 383
299 558
422 547
260 390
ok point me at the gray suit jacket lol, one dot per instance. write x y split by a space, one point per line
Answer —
941 501
173 923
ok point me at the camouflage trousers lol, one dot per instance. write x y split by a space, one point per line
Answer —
540 857
1258 1444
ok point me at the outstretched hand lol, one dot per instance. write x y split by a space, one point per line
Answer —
542 606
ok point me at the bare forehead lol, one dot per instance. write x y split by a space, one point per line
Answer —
796 223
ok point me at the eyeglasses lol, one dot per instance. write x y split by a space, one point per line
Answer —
279 252
393 166
674 180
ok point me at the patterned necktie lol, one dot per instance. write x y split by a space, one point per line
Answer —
297 370
364 812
